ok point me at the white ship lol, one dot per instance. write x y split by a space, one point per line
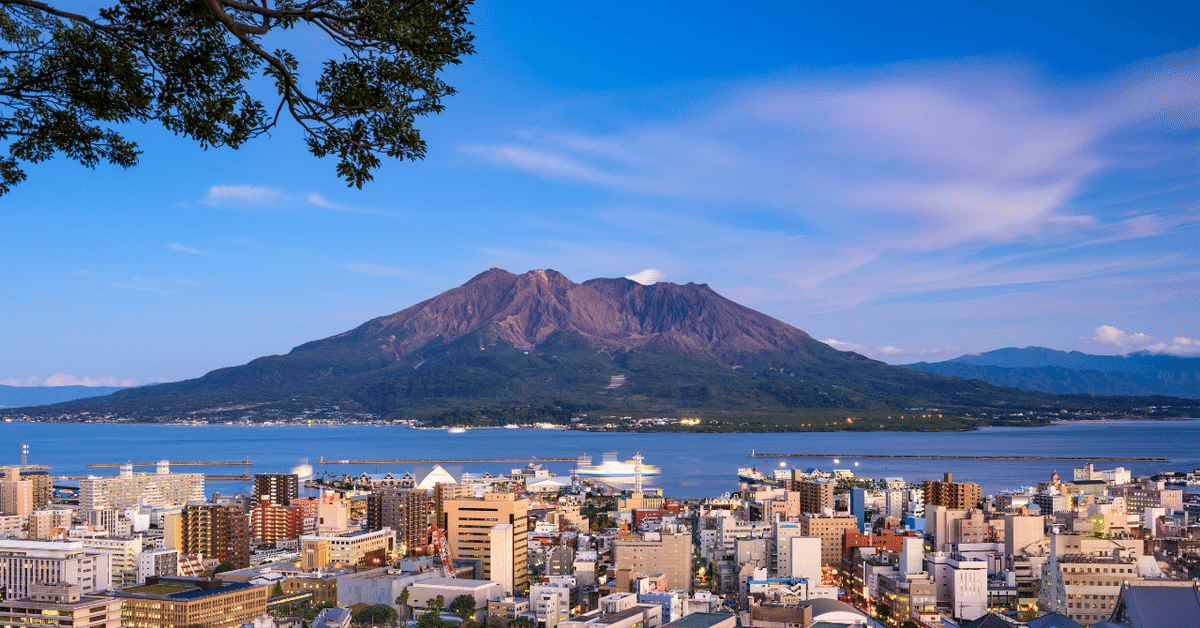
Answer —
612 468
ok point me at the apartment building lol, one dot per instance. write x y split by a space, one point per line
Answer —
319 551
218 532
951 494
131 490
831 527
279 488
407 511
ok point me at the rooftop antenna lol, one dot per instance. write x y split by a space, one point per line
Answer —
637 472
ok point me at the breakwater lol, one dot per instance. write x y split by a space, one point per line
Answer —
950 457
445 460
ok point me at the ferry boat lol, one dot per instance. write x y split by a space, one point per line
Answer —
612 468
750 476
456 430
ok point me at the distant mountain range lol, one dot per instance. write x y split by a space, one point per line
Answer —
17 396
1063 372
517 348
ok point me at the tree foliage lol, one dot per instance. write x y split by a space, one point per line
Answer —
464 607
433 620
376 614
66 79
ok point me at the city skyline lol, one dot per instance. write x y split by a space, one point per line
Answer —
910 183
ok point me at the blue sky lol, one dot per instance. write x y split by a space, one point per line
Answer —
911 181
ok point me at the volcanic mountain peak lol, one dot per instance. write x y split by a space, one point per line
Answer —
523 310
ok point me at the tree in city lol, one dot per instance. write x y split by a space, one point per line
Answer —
883 612
437 603
464 607
223 567
433 620
522 622
402 602
375 615
278 590
70 83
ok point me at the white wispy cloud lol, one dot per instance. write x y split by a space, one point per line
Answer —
904 159
185 249
845 346
64 379
245 195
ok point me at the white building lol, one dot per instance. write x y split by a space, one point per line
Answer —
133 490
124 553
961 584
158 562
46 562
551 602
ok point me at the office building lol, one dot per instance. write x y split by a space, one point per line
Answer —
24 563
43 487
123 552
218 532
170 602
133 490
60 604
469 526
951 494
159 562
280 488
371 547
831 527
663 552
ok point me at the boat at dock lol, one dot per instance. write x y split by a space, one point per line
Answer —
610 467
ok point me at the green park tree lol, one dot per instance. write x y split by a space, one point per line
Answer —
464 607
70 81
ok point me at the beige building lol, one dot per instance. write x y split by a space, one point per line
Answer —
814 495
318 551
131 490
60 604
951 494
831 528
670 554
43 522
170 602
471 531
16 494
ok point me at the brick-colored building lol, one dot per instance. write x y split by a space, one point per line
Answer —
951 494
272 522
219 532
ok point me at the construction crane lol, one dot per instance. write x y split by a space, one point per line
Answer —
443 548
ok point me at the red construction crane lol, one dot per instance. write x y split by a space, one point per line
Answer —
443 548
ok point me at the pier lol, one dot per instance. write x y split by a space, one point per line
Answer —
198 463
947 457
207 477
446 460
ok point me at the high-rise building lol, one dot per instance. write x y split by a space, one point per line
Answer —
951 494
23 563
404 510
16 494
831 528
132 490
469 525
815 495
43 487
280 488
218 532
664 552
272 522
123 556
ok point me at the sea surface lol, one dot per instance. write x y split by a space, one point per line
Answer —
693 465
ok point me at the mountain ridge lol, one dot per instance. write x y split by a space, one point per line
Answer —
539 344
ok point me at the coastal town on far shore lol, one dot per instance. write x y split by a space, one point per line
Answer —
432 546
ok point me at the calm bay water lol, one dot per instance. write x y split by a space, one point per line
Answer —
693 465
